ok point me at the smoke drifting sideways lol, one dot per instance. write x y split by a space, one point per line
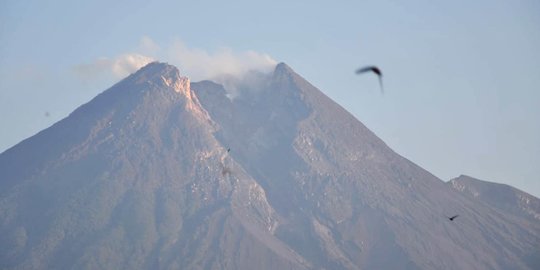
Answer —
115 68
245 84
236 71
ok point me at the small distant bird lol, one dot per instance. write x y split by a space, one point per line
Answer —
228 150
375 70
452 218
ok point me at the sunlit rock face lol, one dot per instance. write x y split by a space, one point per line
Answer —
158 172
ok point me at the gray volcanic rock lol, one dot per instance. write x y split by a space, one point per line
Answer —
140 178
347 201
518 205
133 180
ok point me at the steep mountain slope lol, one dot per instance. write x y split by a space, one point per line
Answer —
520 206
349 201
140 178
133 179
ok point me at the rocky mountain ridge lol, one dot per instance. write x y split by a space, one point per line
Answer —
141 177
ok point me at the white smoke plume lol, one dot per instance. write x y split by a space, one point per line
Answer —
201 64
118 67
225 66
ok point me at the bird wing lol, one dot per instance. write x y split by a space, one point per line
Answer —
364 69
454 217
380 82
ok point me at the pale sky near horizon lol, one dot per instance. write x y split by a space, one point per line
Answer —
462 78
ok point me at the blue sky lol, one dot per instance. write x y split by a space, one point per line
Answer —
462 78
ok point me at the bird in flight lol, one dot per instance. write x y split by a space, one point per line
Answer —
375 70
452 218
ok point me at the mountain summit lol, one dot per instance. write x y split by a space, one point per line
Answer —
141 177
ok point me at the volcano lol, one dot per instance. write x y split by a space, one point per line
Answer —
158 172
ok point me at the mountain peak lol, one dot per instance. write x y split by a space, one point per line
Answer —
283 71
159 67
282 67
145 176
164 74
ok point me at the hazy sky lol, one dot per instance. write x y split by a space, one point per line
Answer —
462 78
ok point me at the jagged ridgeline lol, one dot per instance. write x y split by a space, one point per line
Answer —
141 177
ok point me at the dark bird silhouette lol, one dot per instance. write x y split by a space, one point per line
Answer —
375 70
228 150
452 218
